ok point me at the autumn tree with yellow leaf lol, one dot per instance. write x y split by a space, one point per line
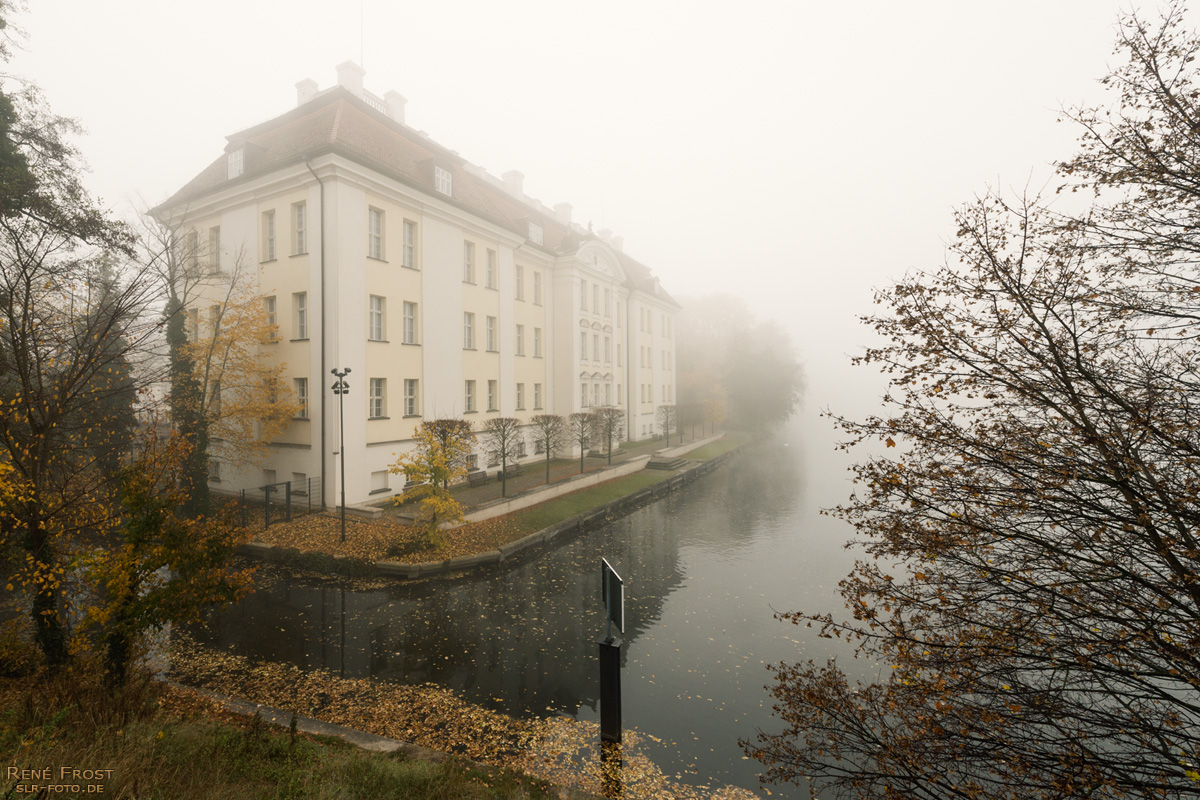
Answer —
438 458
1034 516
74 317
227 394
159 567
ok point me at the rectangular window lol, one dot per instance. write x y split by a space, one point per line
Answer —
235 164
411 385
537 342
468 330
583 395
608 302
520 397
537 288
537 395
595 347
302 397
520 340
595 298
442 180
269 307
583 295
492 399
491 334
618 354
595 394
468 396
214 471
214 249
409 257
299 229
299 483
520 282
377 397
410 323
608 394
300 304
535 233
375 233
193 320
582 346
191 254
607 349
520 448
379 481
268 224
490 277
375 329
468 262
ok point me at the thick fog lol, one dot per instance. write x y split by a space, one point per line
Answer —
796 154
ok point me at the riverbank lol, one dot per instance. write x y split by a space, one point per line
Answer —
556 756
388 547
407 708
67 736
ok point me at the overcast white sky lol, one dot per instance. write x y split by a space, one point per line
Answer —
795 153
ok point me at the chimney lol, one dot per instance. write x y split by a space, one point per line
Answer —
305 90
350 76
605 235
512 183
395 105
562 212
618 244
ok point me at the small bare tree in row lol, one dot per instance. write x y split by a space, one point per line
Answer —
607 423
579 427
502 441
668 417
549 434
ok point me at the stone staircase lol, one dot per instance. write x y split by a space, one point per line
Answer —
666 462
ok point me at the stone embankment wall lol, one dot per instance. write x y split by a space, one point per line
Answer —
575 525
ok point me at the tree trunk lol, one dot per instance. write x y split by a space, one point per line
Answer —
49 632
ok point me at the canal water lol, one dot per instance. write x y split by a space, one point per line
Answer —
705 570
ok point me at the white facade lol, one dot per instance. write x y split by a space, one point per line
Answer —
445 291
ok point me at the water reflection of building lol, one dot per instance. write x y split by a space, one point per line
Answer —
522 638
705 566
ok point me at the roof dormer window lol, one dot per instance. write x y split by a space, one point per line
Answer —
235 163
442 180
535 233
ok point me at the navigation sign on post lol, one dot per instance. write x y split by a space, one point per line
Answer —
612 589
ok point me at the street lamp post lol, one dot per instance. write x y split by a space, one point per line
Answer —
341 389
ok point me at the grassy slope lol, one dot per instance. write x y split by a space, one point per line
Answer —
198 753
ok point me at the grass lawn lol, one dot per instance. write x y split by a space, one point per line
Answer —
543 515
389 539
154 741
731 440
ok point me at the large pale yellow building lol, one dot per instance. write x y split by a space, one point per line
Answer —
446 291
